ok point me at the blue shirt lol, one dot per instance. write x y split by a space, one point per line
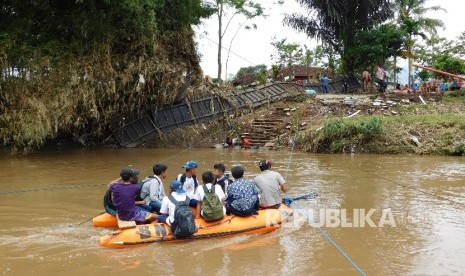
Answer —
242 195
324 80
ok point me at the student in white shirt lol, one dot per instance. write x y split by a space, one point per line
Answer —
168 207
189 181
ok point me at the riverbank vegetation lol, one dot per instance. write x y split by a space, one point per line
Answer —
435 129
75 70
71 69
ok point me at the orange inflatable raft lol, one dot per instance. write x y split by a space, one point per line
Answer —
266 221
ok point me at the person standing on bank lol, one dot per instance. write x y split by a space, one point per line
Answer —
270 184
189 181
324 84
153 191
345 83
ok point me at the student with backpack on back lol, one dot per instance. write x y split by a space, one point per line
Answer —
210 198
189 181
175 211
152 190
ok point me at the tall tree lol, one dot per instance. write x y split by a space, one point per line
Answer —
337 22
287 54
441 54
459 46
250 70
377 45
247 8
411 15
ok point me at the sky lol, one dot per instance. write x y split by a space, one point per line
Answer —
253 47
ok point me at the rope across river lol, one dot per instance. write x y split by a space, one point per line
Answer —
300 209
69 187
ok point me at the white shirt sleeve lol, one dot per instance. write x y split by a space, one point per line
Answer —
198 195
164 206
281 180
219 192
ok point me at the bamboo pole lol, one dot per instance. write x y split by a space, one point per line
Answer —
439 71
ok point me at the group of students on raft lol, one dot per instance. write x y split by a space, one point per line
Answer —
215 197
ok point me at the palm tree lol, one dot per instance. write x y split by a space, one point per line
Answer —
337 22
411 17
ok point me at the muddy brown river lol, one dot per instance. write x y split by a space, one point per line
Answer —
375 215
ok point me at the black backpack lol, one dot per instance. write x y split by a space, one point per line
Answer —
183 225
223 182
183 177
108 203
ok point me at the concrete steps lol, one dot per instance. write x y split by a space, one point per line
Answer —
265 129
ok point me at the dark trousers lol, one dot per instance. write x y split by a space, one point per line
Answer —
153 206
242 213
193 202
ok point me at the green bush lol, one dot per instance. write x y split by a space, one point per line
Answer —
344 128
339 134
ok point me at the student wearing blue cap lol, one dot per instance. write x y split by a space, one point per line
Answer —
167 206
189 181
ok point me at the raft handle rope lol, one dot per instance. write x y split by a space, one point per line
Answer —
87 220
215 225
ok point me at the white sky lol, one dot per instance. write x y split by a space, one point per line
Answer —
252 47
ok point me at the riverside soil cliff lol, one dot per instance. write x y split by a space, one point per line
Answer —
360 123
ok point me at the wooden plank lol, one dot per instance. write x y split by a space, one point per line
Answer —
421 99
353 114
124 224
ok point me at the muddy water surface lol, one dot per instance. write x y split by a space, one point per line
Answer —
47 199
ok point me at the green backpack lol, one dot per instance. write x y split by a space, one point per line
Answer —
211 205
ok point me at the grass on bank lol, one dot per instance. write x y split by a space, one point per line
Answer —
454 96
440 134
341 135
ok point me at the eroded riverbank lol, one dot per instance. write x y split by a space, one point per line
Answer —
375 124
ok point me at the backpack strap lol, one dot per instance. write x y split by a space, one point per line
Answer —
173 200
206 191
177 203
196 183
183 179
142 183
